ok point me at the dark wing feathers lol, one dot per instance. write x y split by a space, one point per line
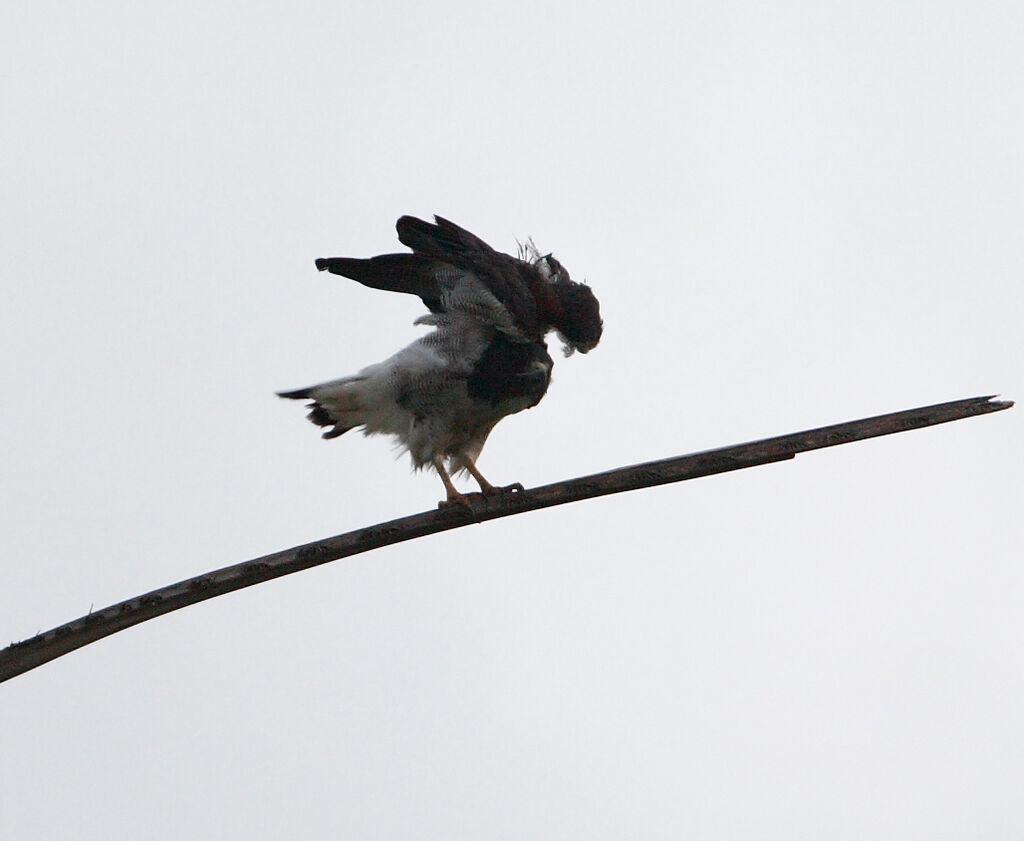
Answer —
504 276
445 240
410 273
442 246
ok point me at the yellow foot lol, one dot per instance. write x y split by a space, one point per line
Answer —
460 500
491 490
456 500
486 488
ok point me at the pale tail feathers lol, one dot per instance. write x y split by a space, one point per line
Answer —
335 404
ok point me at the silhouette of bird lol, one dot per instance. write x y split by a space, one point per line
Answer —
486 357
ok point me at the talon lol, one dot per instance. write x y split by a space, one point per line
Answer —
457 501
454 497
514 488
486 488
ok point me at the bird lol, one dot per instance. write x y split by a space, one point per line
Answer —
485 359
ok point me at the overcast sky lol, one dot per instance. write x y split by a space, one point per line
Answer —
793 214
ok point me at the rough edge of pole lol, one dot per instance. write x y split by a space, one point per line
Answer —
23 656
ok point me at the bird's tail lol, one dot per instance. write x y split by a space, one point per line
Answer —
336 404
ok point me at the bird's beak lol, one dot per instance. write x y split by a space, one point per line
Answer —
534 369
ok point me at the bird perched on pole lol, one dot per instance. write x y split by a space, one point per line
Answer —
486 357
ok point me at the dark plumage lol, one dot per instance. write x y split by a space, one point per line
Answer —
509 371
486 359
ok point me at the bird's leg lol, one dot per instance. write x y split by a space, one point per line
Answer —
454 497
486 488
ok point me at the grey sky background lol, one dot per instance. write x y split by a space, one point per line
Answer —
793 214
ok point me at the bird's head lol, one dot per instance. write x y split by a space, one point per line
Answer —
578 318
579 325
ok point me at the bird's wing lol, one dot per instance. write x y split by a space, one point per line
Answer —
502 275
443 240
452 271
410 273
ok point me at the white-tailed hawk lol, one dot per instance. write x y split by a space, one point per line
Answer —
486 357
